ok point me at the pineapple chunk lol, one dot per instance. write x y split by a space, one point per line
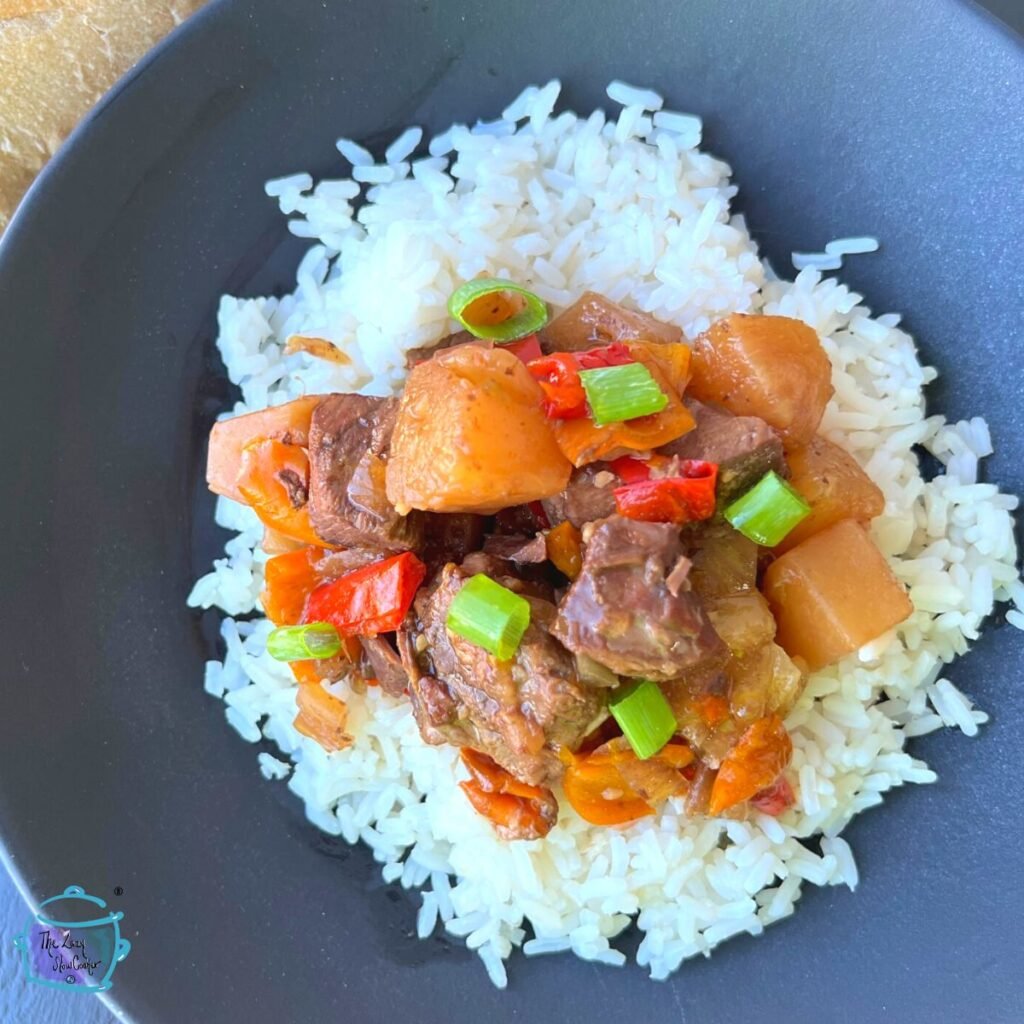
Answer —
832 594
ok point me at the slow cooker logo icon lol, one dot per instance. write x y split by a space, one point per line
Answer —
73 943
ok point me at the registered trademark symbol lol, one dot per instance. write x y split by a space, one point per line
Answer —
118 890
69 979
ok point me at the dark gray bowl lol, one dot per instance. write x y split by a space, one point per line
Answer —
902 120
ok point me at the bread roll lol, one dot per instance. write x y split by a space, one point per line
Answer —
57 58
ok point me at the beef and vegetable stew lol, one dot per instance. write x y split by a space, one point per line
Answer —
598 560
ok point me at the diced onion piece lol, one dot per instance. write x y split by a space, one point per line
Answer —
319 348
644 716
768 511
322 717
617 393
489 615
486 309
300 643
591 671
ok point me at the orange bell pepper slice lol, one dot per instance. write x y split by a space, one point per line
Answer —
582 441
565 549
597 789
597 792
228 438
756 761
289 579
518 810
273 477
672 359
275 543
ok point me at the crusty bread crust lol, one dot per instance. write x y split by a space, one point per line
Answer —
57 58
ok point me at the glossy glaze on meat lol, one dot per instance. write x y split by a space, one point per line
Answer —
518 712
349 439
621 612
743 447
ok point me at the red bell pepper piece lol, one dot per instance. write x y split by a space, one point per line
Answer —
370 600
672 499
537 510
774 799
630 470
559 379
527 349
615 354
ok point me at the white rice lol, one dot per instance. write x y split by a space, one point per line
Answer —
851 246
630 208
403 146
832 259
631 96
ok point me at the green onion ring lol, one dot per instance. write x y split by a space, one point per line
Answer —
527 321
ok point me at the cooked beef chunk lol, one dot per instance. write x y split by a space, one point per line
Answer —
332 669
519 712
420 355
679 575
450 536
381 662
621 612
589 496
744 447
593 321
724 561
435 709
522 519
339 563
489 565
349 439
521 550
533 579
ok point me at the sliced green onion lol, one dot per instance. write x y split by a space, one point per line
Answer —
489 615
768 511
617 393
300 643
531 318
644 716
